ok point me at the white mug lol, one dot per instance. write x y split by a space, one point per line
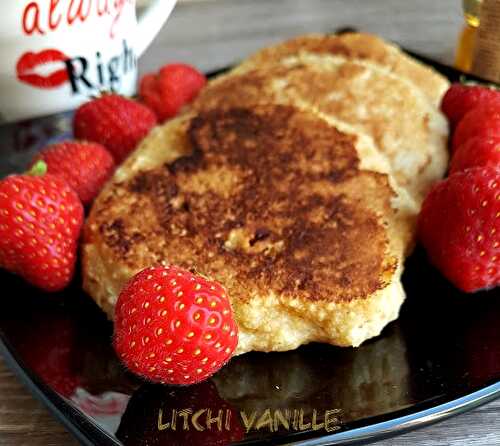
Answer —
55 54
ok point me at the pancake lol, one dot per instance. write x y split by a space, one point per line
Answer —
370 49
388 111
310 252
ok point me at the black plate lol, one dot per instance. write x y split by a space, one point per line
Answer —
440 358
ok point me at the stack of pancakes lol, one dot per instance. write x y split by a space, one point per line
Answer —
294 180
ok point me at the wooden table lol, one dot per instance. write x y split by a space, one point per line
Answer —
215 33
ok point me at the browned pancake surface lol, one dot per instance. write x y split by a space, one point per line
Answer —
270 199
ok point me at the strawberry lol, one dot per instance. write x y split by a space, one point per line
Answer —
483 120
114 121
40 222
462 98
140 423
459 225
476 152
174 86
85 166
172 326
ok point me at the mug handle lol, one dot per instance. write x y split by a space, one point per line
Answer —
151 21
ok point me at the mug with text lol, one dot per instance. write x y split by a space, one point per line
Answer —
58 53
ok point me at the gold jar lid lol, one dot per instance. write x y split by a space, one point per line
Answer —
471 11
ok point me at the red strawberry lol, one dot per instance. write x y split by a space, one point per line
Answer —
139 423
174 86
40 222
174 327
117 123
85 166
459 226
476 152
483 121
460 99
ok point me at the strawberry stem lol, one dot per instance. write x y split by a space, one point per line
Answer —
38 169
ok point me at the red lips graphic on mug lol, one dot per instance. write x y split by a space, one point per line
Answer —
35 68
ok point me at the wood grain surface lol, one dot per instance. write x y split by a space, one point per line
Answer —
215 33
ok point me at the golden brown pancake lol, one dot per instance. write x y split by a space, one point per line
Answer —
271 202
